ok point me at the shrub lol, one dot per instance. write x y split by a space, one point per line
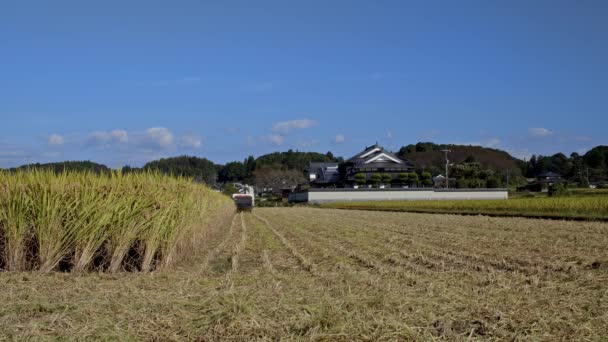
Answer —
558 189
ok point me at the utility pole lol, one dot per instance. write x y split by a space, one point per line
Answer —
447 163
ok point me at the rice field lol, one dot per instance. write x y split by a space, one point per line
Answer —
333 275
586 208
87 222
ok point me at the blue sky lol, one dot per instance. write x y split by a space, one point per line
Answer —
125 82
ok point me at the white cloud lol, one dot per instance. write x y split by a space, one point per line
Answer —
338 139
11 153
389 135
288 126
160 136
191 141
307 142
56 140
492 143
540 132
275 139
582 138
101 137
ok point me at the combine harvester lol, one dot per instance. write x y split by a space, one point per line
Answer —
245 199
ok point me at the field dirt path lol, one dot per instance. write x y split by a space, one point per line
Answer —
333 275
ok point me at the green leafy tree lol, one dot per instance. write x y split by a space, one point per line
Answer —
386 178
426 179
492 182
199 169
229 189
233 172
412 179
376 179
360 178
403 178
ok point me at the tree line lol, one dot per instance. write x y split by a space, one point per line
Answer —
481 168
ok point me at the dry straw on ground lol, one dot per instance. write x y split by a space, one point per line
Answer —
320 274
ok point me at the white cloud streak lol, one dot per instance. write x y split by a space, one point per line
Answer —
191 141
540 132
56 140
114 136
158 136
288 126
275 139
338 139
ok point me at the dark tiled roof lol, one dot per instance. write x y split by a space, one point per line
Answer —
370 152
326 172
549 174
315 166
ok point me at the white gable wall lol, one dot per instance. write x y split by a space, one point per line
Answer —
383 157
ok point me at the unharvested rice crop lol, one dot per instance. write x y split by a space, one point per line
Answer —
84 221
595 207
307 274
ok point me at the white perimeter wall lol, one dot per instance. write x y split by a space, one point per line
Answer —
405 195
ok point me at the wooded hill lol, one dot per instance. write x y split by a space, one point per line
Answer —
472 163
429 156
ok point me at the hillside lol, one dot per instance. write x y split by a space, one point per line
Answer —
429 156
295 160
85 165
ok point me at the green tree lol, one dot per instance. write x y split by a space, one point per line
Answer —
412 179
199 169
360 178
426 179
376 179
403 178
233 171
386 178
462 183
229 189
595 158
492 182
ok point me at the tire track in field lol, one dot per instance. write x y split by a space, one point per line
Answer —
222 259
268 263
214 252
476 239
357 251
238 248
350 268
422 260
312 245
356 261
304 262
443 258
433 255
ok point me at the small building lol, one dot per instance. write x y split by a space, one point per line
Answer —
439 181
374 159
323 174
550 178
